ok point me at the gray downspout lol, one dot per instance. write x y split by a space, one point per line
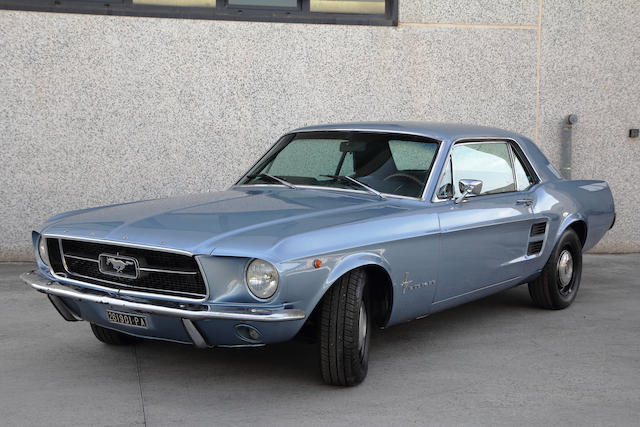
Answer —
566 145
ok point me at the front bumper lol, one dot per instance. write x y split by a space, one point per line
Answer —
59 293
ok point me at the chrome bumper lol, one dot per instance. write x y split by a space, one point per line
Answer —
57 289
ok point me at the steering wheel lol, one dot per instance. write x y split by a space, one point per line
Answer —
403 175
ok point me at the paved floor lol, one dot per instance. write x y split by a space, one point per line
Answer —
495 361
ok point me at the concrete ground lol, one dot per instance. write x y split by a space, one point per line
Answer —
496 361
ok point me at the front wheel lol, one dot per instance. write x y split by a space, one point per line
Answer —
345 325
558 284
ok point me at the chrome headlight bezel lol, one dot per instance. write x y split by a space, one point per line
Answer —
261 278
42 251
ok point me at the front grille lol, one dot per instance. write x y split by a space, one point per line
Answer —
534 248
538 229
153 271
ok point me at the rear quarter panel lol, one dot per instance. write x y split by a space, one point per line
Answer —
563 203
594 204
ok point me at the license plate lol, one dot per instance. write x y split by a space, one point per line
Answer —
127 319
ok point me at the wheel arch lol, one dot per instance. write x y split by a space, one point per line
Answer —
580 227
576 223
377 270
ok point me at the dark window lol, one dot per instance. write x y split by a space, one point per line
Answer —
363 12
524 176
391 164
264 3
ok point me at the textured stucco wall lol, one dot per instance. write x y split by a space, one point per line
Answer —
590 66
98 109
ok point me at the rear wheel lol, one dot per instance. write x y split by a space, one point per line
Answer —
345 325
558 284
111 337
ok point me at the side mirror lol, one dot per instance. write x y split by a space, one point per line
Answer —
468 187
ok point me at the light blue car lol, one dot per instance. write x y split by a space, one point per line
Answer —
337 229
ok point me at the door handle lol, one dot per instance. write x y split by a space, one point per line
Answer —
526 202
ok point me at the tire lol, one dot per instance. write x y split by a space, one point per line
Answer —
557 285
111 337
345 325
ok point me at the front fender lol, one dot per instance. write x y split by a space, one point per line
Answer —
352 262
307 285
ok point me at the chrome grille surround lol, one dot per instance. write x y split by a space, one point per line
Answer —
186 283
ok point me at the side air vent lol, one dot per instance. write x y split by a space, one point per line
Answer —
534 248
538 229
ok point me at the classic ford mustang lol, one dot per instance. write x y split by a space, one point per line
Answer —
337 229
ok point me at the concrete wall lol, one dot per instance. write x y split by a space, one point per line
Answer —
98 109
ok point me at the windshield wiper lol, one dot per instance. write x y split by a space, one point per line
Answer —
360 184
273 178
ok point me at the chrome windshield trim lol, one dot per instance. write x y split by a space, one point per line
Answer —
423 197
355 181
321 187
364 130
247 314
273 177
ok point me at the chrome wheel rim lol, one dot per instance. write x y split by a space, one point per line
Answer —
565 270
362 327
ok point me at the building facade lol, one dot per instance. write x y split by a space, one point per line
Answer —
98 109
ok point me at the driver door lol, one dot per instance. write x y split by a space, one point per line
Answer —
484 237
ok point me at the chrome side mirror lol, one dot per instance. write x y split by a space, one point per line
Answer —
468 187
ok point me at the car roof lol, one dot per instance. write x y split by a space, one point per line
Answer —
434 130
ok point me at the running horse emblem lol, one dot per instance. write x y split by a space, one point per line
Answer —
118 264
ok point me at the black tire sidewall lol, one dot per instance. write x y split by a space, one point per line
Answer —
360 364
570 241
341 361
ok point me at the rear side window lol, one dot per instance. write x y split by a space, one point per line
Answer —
524 179
488 162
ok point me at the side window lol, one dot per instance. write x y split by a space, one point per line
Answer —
523 179
487 162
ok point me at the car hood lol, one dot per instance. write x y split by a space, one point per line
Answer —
242 220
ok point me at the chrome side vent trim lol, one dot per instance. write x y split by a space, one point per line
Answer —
538 229
534 247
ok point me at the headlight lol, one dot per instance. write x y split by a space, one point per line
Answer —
42 250
262 278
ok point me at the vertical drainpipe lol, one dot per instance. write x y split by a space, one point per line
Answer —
565 154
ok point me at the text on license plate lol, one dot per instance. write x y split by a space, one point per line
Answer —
127 319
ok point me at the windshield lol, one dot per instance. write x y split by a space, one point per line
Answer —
388 163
